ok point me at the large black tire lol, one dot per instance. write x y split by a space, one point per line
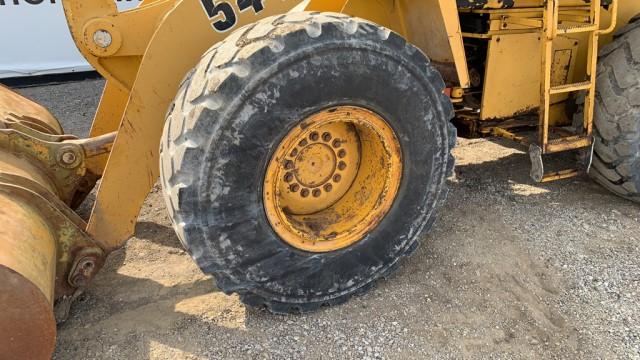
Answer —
243 98
616 163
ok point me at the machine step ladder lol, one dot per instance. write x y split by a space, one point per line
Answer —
552 27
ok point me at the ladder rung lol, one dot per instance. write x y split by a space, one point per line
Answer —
561 175
566 88
576 28
537 168
531 23
568 143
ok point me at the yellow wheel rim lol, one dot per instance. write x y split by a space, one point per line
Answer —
332 179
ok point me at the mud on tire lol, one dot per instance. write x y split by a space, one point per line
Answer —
244 96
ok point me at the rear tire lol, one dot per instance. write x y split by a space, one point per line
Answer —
616 162
243 98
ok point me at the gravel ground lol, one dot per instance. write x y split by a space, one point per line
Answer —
512 270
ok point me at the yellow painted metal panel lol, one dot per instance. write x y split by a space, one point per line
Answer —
512 77
508 88
431 25
326 5
384 12
434 27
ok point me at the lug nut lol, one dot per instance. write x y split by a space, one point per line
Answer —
337 178
294 152
328 187
288 164
337 143
342 165
304 193
288 177
326 137
342 153
303 142
294 188
314 136
317 193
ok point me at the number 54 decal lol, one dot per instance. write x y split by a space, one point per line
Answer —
225 12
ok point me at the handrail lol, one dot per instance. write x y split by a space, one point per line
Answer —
614 19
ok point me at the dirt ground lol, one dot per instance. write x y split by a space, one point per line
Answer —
512 270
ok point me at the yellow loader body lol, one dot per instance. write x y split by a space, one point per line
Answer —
47 252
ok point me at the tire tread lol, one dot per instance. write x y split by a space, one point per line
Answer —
616 164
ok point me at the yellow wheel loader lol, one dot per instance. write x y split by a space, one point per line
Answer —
303 146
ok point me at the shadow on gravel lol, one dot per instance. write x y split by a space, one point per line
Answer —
510 176
158 233
135 308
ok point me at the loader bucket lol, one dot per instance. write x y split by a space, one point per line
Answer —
27 273
28 249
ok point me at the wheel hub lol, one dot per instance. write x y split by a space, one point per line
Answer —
315 165
319 168
332 179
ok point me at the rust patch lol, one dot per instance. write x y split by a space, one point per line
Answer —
27 324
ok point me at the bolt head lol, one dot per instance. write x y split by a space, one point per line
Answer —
288 177
289 165
68 157
102 38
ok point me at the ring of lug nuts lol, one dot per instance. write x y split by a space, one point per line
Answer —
289 165
332 179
